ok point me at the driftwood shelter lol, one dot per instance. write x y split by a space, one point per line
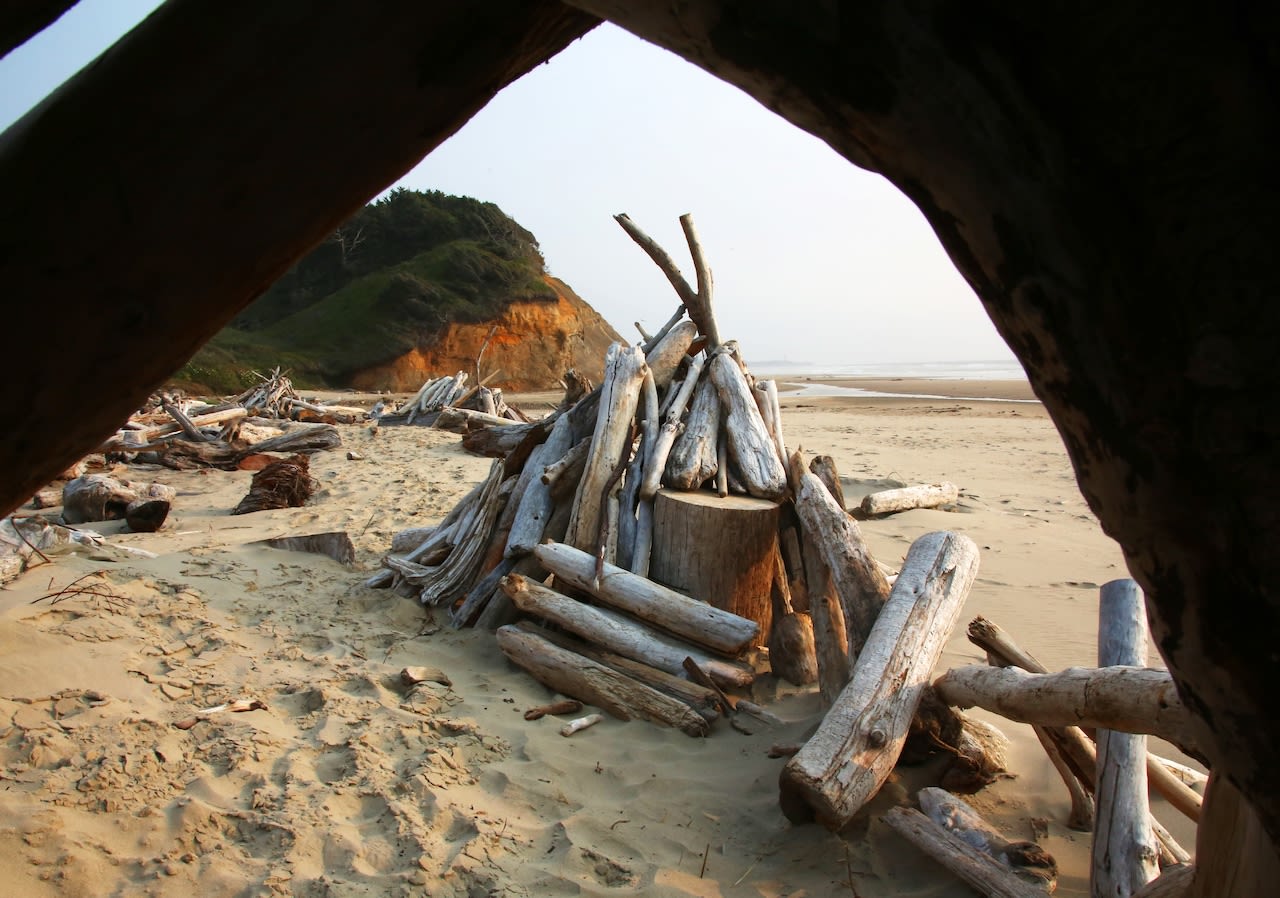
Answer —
1102 176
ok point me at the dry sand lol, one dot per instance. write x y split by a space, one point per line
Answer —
349 784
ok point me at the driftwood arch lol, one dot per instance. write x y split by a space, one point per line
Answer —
1100 173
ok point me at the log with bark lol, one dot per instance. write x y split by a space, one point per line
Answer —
721 550
854 749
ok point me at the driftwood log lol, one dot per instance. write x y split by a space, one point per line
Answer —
1125 853
983 873
854 750
688 618
1129 699
617 633
622 696
930 495
720 550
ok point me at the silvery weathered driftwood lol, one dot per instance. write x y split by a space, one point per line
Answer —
848 759
750 443
536 504
615 632
1027 859
857 578
692 459
926 496
672 426
619 397
589 681
665 608
1129 699
984 873
665 357
1125 853
699 302
706 701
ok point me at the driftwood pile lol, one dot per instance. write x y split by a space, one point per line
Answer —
446 403
673 479
595 525
268 418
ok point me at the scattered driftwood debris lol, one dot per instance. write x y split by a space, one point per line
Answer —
267 418
578 548
446 403
98 497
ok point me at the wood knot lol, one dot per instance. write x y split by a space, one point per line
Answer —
877 738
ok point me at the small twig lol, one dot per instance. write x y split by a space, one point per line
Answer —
706 852
72 590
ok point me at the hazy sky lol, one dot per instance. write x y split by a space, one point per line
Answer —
814 259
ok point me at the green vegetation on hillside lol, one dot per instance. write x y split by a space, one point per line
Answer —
384 282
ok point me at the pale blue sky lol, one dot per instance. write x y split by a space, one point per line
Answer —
814 259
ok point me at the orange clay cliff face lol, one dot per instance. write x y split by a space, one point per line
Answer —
537 340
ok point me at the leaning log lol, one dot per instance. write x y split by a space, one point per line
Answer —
618 633
593 683
1129 699
1027 859
858 580
982 872
751 445
619 397
854 750
536 504
692 459
690 619
1124 850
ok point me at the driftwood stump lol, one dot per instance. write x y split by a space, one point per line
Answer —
721 550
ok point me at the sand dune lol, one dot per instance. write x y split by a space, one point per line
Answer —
350 783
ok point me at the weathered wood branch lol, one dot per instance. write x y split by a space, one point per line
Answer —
619 397
981 871
665 608
925 496
857 578
1129 699
750 443
617 633
622 696
854 750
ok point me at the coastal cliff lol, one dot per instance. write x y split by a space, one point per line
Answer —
410 288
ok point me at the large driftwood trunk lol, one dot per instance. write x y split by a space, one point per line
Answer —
720 550
847 760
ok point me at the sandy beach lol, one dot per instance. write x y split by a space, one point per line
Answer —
349 783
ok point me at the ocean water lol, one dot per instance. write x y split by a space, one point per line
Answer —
986 369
